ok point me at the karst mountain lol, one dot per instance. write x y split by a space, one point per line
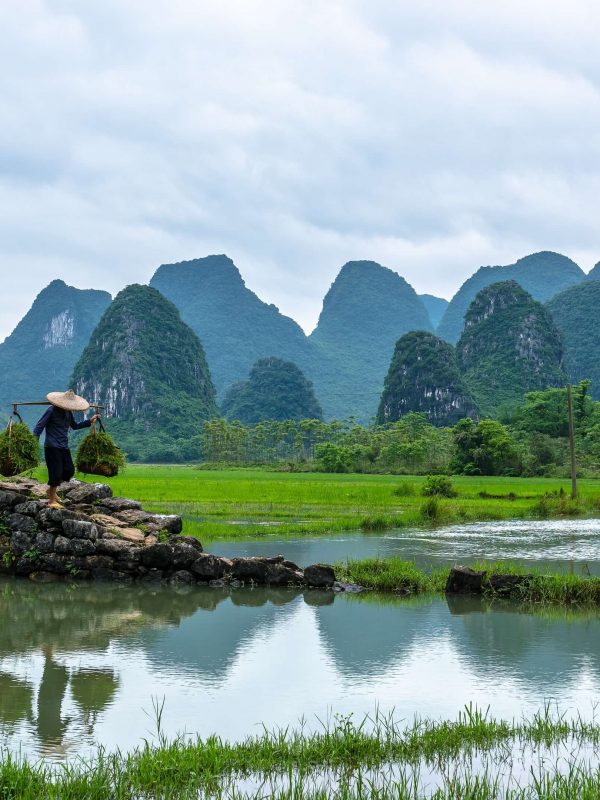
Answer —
148 369
541 274
275 390
510 346
39 355
424 377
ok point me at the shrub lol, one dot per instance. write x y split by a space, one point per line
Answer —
404 489
99 455
438 485
19 450
431 509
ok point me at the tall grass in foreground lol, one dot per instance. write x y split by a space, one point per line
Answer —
377 758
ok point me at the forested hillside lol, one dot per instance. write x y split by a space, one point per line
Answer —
435 307
424 377
39 355
234 325
148 369
366 310
541 274
275 390
510 346
576 313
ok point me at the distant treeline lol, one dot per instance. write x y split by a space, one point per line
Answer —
532 441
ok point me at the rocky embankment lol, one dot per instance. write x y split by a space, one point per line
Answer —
101 537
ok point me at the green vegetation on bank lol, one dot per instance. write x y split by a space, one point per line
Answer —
343 759
233 503
405 578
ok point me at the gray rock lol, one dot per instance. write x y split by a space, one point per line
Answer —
181 578
100 562
209 568
56 516
74 528
184 555
191 540
44 542
21 522
172 523
32 507
280 575
321 576
133 517
83 547
113 547
24 565
9 499
88 493
464 580
158 556
62 545
21 542
113 504
252 569
55 562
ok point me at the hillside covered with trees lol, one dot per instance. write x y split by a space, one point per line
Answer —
542 275
510 346
39 356
424 377
576 313
275 390
148 369
367 308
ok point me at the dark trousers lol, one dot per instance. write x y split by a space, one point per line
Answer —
60 465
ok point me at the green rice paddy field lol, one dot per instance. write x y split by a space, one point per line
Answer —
252 503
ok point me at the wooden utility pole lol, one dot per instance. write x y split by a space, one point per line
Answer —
572 442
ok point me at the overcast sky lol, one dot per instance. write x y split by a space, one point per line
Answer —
293 135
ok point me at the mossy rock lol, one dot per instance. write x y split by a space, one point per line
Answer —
19 450
99 455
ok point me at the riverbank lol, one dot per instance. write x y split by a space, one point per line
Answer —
503 580
474 756
243 503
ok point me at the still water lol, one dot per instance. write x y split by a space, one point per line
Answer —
562 545
82 664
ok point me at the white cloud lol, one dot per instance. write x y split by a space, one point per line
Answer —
294 136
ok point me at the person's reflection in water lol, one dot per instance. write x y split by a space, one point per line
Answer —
50 726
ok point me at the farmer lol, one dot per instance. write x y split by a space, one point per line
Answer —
57 422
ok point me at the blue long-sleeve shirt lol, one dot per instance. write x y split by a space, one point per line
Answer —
57 422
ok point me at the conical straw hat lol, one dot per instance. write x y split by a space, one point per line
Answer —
69 401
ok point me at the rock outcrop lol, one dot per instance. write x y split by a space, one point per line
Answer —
100 537
424 377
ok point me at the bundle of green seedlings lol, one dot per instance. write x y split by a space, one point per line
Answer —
99 455
19 450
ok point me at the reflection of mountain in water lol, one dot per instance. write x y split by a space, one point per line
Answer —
533 649
208 643
365 637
